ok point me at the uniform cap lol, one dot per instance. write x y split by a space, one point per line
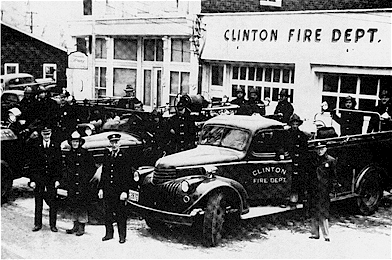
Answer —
320 144
46 129
76 136
350 98
129 88
284 93
114 137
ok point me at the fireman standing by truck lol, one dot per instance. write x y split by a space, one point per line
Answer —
80 168
323 170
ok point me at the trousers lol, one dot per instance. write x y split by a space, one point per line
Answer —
320 223
47 192
115 211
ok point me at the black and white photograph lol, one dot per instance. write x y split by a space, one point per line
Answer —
196 129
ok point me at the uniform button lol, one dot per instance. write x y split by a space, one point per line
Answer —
111 181
77 183
77 174
77 192
77 164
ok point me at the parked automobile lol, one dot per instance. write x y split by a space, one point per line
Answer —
17 81
241 170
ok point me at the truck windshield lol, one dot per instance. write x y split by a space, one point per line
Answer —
224 136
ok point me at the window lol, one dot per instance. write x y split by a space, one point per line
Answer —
100 49
153 50
121 78
147 88
10 68
364 88
100 82
217 75
50 71
125 49
268 143
180 50
81 45
179 84
267 80
277 3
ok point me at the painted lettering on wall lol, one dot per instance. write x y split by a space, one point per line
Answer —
349 35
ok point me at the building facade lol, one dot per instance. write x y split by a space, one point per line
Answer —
316 55
23 52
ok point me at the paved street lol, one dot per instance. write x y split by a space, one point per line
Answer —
281 236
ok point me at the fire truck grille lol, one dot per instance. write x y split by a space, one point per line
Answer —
171 188
163 175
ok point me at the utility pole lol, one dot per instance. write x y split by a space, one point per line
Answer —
31 20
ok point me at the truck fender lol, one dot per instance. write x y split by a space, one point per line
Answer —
370 169
207 187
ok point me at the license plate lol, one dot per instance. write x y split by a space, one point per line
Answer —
133 195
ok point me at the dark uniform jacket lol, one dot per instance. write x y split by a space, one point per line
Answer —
79 169
350 122
47 110
117 175
284 107
375 120
185 132
322 175
28 108
45 163
257 106
128 102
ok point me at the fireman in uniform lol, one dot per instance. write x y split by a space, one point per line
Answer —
350 121
113 187
321 178
46 172
67 120
80 168
297 146
182 128
284 109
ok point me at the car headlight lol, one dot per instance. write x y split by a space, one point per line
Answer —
136 176
184 186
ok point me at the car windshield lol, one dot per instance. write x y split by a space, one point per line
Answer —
224 136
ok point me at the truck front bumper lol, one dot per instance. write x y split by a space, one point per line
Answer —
165 216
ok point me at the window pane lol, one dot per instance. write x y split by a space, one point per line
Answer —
81 45
268 74
286 76
251 73
330 83
234 90
147 87
267 92
275 94
332 102
125 49
243 73
217 75
122 78
259 74
235 72
176 50
159 87
96 77
149 46
276 75
174 82
100 49
11 69
186 47
159 43
366 104
386 83
292 76
184 83
368 85
348 84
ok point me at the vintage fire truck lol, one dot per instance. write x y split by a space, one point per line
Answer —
236 172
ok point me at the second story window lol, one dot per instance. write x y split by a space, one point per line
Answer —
125 49
180 50
100 49
271 2
153 50
10 68
50 71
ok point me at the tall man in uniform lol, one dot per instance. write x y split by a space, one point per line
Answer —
114 186
284 109
45 176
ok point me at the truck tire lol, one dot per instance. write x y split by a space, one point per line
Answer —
214 217
6 182
370 193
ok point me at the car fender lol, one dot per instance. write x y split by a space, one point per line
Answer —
207 186
367 171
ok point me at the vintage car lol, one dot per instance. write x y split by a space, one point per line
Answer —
239 170
17 81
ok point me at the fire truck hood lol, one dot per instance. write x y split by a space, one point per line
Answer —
201 155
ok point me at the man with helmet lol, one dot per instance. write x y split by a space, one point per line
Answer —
350 122
255 103
384 108
28 105
284 109
47 108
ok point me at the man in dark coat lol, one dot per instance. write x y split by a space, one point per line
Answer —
116 180
255 103
384 108
80 168
45 176
297 146
350 121
130 99
240 100
284 109
67 118
323 170
47 108
182 129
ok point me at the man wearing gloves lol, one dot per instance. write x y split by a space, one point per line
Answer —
114 186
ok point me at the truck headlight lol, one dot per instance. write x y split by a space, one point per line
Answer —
136 176
184 186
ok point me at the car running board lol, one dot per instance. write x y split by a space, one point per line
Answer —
267 210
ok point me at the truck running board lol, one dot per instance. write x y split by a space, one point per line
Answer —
267 210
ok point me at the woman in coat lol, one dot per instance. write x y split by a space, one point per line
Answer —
80 168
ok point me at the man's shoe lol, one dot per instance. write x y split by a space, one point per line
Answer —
122 240
54 229
105 238
327 240
314 237
36 228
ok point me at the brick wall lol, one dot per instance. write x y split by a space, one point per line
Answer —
31 54
225 6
